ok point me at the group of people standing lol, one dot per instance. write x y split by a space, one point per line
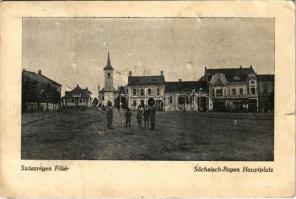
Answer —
145 115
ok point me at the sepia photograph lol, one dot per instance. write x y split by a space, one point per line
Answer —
159 99
148 88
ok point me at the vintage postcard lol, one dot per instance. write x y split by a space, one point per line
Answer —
147 99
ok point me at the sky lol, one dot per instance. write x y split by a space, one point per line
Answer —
74 51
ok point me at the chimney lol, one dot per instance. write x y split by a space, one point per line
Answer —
240 67
206 74
130 73
161 72
251 66
180 80
39 72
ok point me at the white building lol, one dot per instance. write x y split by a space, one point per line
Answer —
143 88
233 89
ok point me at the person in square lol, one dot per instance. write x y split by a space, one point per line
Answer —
128 116
139 116
109 115
152 111
146 117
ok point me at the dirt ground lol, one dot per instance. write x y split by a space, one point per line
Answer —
83 135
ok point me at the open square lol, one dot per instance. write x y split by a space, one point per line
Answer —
83 135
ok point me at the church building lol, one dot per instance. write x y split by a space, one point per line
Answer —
108 93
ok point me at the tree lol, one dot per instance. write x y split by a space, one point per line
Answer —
30 92
46 94
55 96
123 101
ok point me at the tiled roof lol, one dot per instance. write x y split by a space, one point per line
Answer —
185 86
39 77
265 78
145 80
231 74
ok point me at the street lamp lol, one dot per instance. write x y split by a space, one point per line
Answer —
120 103
193 94
177 100
199 94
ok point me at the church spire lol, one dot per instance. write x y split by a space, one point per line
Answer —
108 66
108 61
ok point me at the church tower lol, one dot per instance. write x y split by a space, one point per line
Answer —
107 94
108 75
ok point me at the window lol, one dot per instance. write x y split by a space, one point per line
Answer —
134 103
186 100
182 99
134 92
252 82
142 103
109 75
72 100
219 79
253 91
142 91
219 92
189 99
158 91
265 88
102 97
76 94
241 91
149 91
233 91
80 101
